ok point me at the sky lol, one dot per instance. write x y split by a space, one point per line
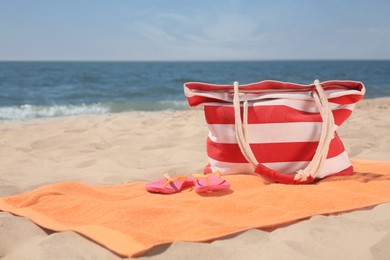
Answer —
192 30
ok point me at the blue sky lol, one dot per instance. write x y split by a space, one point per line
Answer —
194 30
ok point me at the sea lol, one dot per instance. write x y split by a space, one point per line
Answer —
51 89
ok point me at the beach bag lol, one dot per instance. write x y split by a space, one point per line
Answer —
283 131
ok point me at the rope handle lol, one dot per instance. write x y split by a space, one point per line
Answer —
302 176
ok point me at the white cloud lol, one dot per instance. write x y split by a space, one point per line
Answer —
379 31
231 28
155 33
349 30
224 36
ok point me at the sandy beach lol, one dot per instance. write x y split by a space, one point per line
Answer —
141 146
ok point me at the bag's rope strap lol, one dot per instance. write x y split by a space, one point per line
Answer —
327 132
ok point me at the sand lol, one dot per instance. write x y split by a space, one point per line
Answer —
141 146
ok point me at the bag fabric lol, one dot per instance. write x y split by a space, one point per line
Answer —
283 131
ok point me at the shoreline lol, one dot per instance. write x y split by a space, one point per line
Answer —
377 102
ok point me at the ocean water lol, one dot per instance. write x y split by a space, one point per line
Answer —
48 89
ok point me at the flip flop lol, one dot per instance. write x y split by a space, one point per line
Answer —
170 185
210 182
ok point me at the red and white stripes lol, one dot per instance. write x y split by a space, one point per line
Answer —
284 124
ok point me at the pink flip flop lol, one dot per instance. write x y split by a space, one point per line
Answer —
170 185
210 182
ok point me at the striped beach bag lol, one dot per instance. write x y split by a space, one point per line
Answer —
283 131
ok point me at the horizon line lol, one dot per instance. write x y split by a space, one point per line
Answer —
243 60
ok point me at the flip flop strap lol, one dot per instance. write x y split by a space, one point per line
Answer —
173 179
206 176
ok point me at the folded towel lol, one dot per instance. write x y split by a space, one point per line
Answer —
129 220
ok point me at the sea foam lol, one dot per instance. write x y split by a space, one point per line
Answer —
27 111
32 111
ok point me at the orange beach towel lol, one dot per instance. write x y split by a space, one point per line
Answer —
129 220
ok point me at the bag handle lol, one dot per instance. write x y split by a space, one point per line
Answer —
302 176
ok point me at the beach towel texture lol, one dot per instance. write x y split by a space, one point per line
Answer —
128 220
